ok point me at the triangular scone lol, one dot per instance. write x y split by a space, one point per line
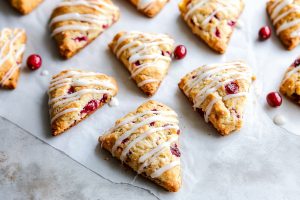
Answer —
147 141
212 20
149 7
74 24
220 92
147 56
25 6
12 47
285 17
290 85
76 94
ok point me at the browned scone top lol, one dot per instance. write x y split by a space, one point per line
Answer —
76 94
290 84
285 17
150 8
219 91
147 56
75 24
147 141
212 20
25 6
12 47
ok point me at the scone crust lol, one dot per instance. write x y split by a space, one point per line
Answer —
290 85
86 85
226 115
71 41
152 9
13 44
286 15
170 179
157 69
218 28
25 6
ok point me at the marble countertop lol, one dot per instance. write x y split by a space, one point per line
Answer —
31 169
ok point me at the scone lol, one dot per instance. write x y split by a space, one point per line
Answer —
12 47
290 85
74 24
76 94
147 141
220 92
25 6
212 20
149 7
285 17
147 56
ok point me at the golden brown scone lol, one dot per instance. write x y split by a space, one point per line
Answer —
212 20
12 47
220 92
75 24
25 6
147 56
149 7
290 85
76 94
147 141
285 17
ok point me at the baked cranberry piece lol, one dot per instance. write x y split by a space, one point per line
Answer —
274 99
232 88
264 33
175 151
231 23
34 62
80 39
90 107
71 90
297 62
180 52
218 33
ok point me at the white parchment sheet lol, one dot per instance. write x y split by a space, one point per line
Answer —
260 162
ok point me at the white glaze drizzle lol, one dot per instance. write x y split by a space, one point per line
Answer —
149 157
96 20
235 71
277 15
139 51
165 168
9 43
71 78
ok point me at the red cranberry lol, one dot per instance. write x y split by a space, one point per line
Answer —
71 90
104 98
105 26
297 62
137 63
175 151
152 123
231 23
125 140
90 107
34 62
232 88
265 33
80 39
178 132
180 52
218 33
274 99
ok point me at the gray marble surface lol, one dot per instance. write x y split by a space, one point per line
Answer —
31 169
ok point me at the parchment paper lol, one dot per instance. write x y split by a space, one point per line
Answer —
214 167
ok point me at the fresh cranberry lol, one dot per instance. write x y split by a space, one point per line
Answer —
34 62
297 62
232 88
175 151
71 90
231 23
218 33
90 107
274 99
105 26
180 52
80 39
265 33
